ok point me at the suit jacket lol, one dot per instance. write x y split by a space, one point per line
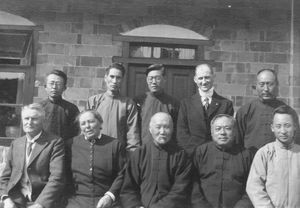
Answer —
45 170
193 124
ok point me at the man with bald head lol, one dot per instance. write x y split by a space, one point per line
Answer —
254 118
158 173
196 112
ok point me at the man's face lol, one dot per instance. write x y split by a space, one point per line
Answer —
222 132
89 125
55 86
155 80
161 129
204 77
266 85
113 80
32 121
283 128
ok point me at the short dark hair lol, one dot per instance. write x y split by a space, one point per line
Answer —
285 109
156 67
60 74
118 66
220 116
95 113
269 70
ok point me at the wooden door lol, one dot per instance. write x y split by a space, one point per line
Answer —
179 84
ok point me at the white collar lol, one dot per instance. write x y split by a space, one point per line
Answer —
208 94
95 138
34 138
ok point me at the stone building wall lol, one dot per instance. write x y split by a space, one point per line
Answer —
76 37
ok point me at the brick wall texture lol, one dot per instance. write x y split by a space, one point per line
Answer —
76 37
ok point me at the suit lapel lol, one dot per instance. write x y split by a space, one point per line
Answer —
40 144
214 105
198 104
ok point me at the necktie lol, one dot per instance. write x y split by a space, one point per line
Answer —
206 103
29 148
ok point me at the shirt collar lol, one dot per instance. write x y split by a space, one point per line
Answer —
33 140
97 138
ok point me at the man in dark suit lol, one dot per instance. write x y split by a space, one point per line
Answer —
33 176
195 113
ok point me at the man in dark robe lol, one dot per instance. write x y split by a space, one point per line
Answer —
196 112
254 118
159 172
60 114
156 100
222 168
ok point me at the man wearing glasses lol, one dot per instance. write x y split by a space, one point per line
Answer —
155 100
60 114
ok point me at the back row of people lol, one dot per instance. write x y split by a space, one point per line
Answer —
92 172
128 119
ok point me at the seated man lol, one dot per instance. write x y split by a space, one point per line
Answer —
159 172
274 176
222 168
33 176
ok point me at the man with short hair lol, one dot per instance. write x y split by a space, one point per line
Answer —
195 113
274 175
254 118
33 176
222 168
158 173
156 100
120 115
60 114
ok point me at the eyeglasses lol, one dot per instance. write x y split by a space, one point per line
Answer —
156 78
52 84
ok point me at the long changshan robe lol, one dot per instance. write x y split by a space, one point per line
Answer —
157 178
221 176
120 118
151 103
60 117
274 178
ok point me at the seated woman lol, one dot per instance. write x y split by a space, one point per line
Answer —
94 163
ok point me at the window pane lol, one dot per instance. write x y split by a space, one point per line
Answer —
11 87
140 51
186 53
10 120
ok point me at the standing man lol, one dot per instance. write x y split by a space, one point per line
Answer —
222 168
156 100
60 114
274 176
254 118
120 115
33 176
195 113
158 173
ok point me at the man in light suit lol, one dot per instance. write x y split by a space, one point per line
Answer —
33 176
196 112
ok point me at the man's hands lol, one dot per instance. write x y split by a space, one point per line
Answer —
8 203
105 202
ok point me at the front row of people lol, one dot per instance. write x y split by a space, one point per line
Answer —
90 170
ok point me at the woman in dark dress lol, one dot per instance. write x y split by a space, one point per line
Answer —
94 164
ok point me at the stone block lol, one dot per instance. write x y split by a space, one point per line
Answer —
221 34
85 82
234 68
90 61
100 72
255 67
260 46
278 47
42 59
77 93
70 82
277 58
76 27
247 35
232 45
249 57
62 60
277 36
43 36
97 83
243 79
220 56
91 50
102 39
231 89
107 29
52 48
57 26
69 17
